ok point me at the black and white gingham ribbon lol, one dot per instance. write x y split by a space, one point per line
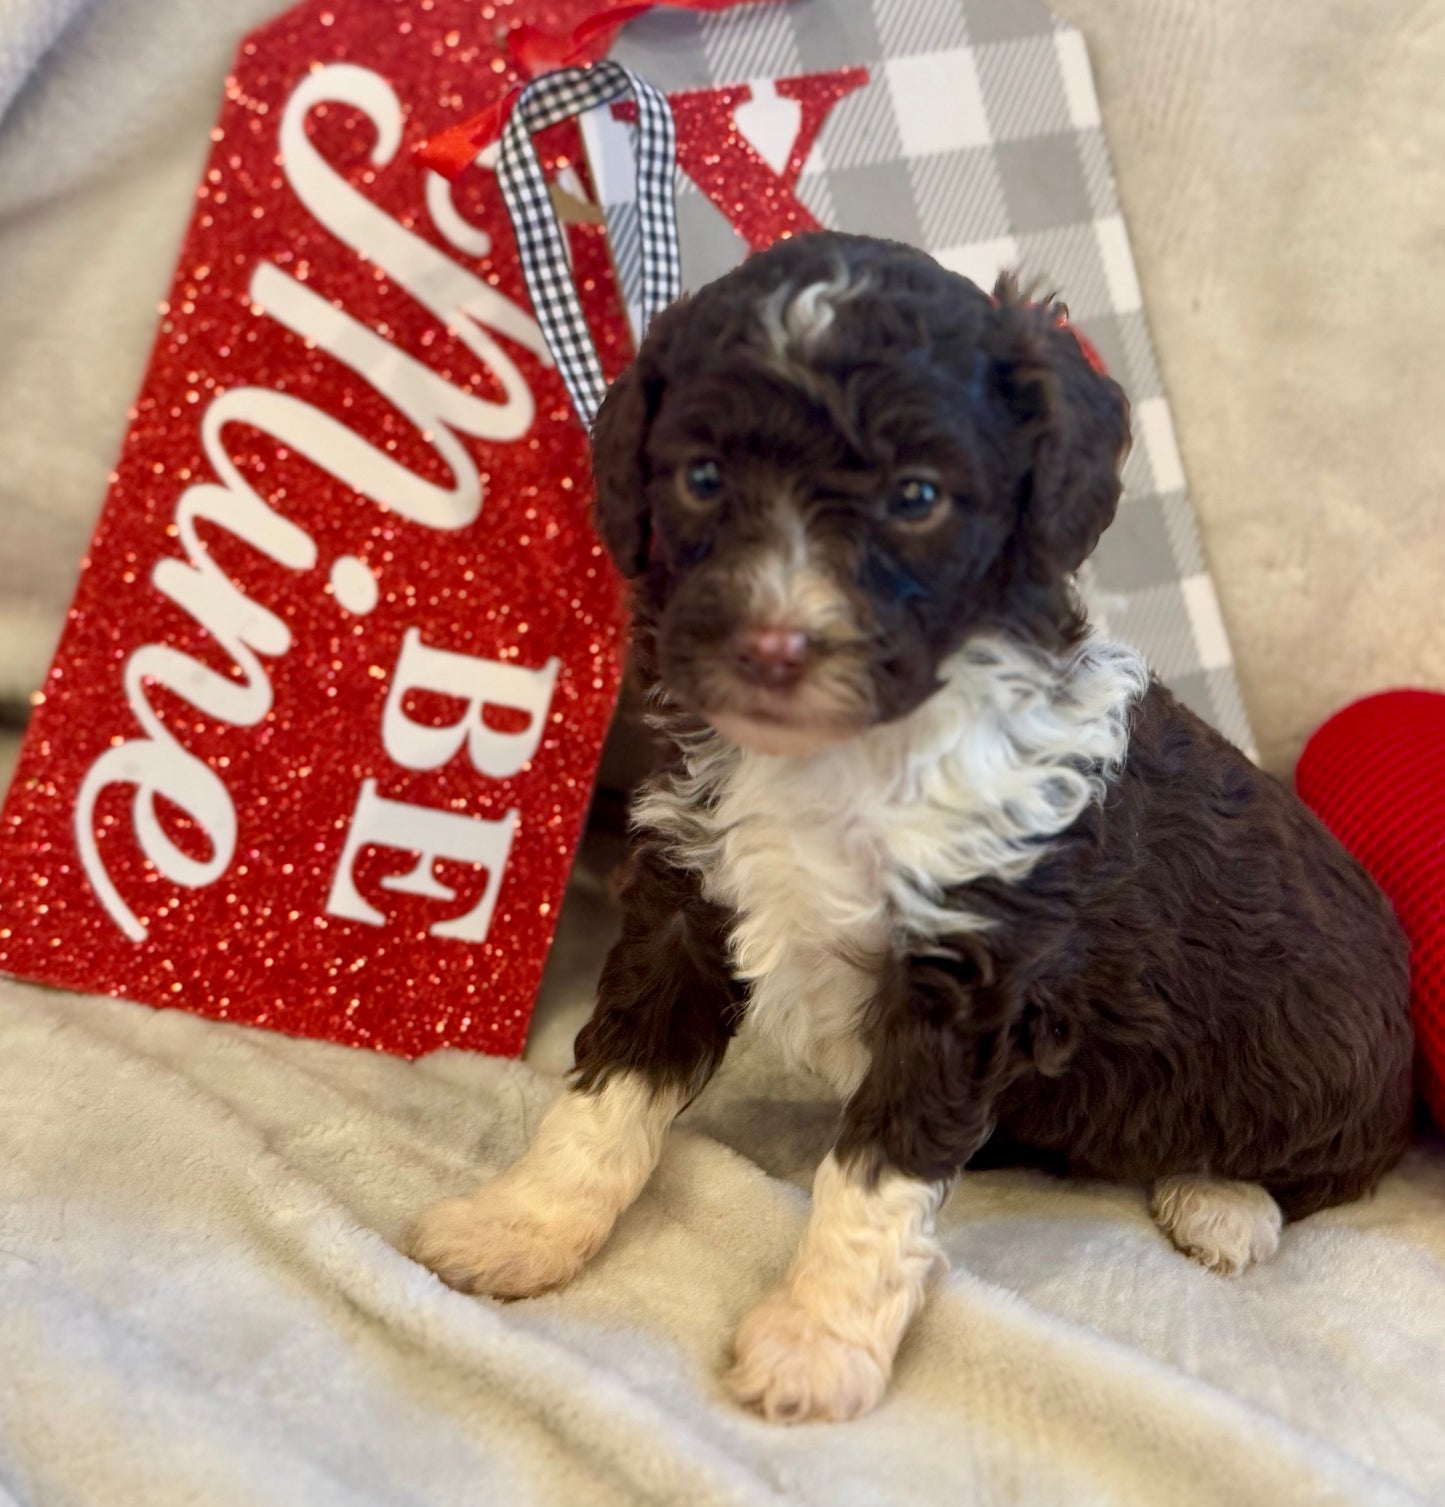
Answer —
544 102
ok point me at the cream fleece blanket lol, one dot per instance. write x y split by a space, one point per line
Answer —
201 1302
201 1298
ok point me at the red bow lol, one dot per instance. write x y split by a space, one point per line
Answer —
1087 349
535 51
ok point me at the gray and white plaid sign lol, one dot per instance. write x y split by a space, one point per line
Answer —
977 137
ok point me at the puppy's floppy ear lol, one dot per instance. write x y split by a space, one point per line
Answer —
1077 418
619 469
619 448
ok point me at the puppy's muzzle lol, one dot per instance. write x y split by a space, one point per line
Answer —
771 656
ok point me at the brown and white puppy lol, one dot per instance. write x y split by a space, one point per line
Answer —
961 858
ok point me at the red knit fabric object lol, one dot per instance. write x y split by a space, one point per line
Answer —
1375 773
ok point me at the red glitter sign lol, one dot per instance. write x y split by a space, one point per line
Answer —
321 731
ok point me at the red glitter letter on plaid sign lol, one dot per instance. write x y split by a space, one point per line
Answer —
760 203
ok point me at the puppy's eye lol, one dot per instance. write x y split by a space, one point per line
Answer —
915 499
701 480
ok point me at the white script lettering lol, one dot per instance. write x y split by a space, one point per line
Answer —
155 763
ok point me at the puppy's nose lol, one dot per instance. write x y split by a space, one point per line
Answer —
770 655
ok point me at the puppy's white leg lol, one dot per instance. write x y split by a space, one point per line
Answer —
821 1345
1225 1226
537 1224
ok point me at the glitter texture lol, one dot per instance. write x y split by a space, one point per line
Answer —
297 690
761 204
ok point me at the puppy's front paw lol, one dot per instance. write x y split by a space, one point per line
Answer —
493 1241
792 1368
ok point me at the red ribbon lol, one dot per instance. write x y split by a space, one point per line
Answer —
1086 349
535 51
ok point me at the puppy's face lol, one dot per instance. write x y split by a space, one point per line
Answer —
829 468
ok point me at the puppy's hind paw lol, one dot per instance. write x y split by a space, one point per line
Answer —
1224 1226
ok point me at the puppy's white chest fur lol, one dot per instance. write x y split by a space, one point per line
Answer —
831 862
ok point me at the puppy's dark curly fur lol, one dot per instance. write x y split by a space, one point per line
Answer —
1194 977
